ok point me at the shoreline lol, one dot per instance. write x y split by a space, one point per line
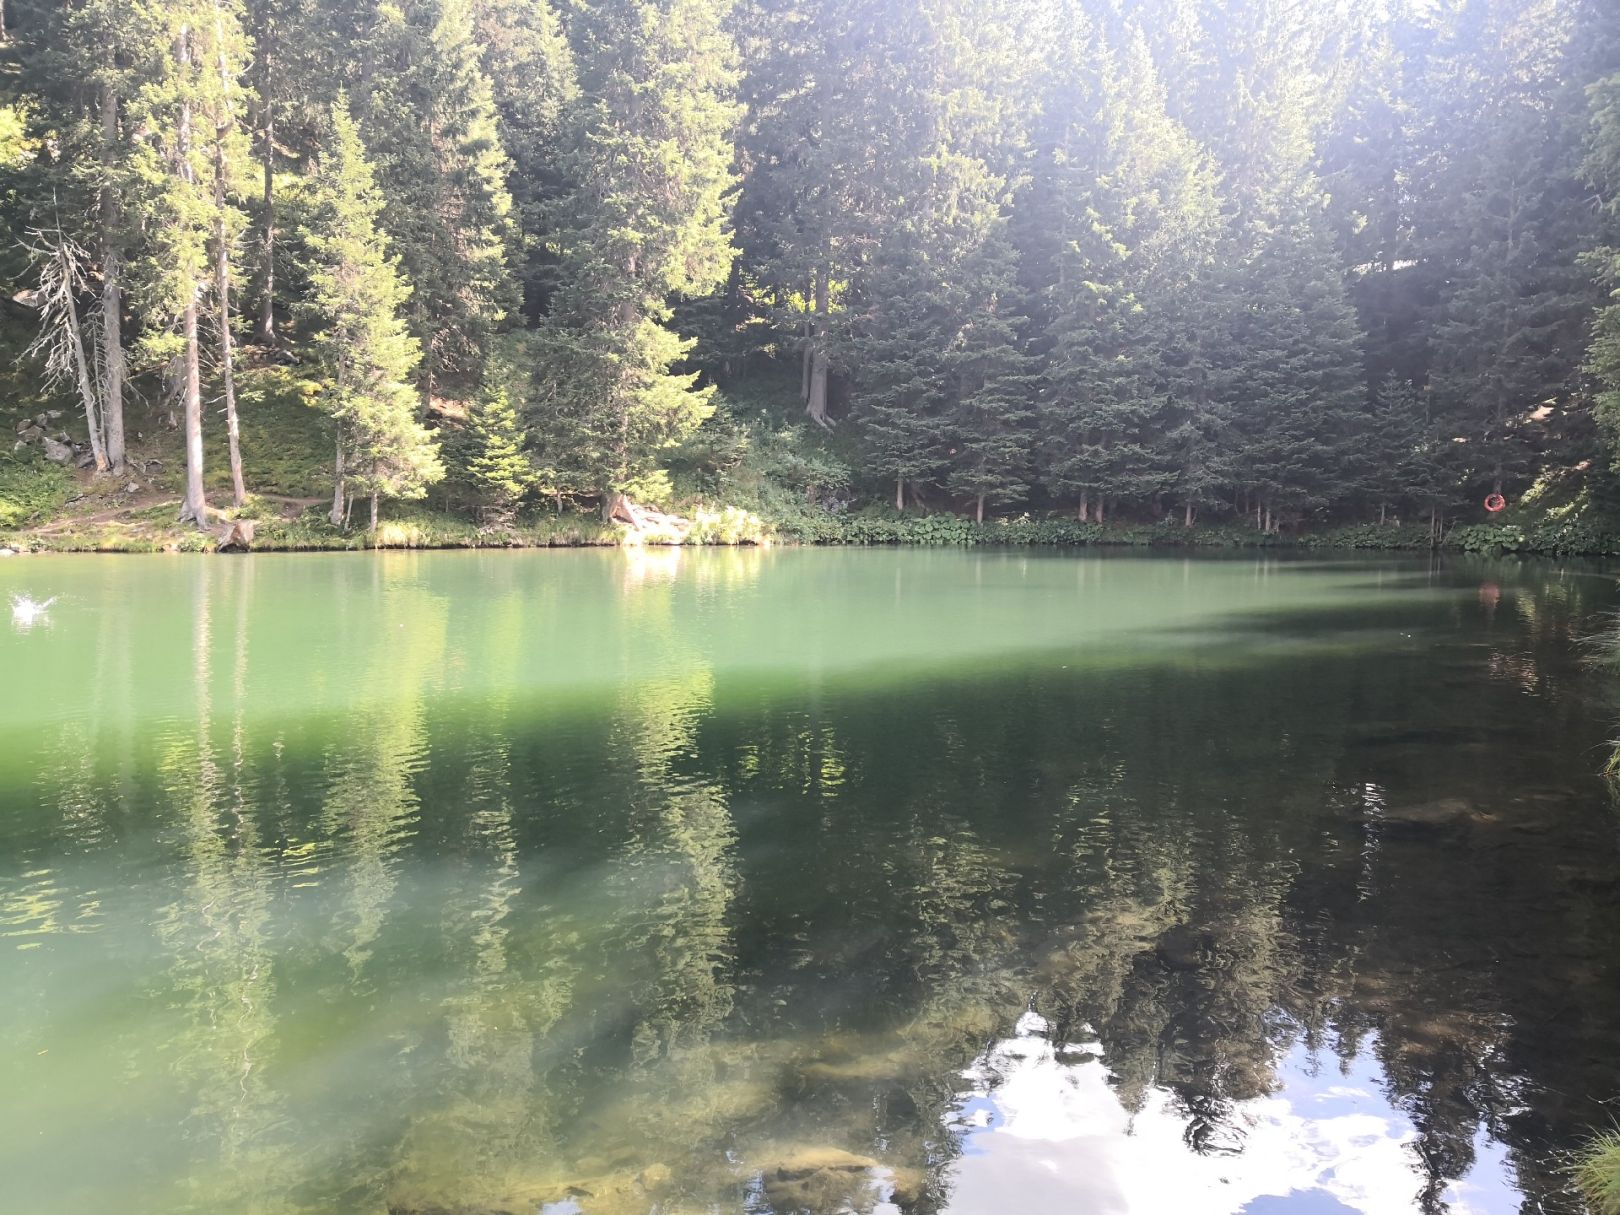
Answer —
447 533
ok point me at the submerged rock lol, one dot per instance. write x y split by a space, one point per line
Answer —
1183 947
1442 817
819 1179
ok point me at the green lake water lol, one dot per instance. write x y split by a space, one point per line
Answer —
979 883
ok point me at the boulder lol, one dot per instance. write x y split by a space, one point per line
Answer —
31 432
23 424
60 453
235 536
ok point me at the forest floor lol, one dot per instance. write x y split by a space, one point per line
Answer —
769 496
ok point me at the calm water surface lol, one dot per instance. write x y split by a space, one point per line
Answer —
970 883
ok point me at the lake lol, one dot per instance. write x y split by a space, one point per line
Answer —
918 881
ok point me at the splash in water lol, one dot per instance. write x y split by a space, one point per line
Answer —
27 612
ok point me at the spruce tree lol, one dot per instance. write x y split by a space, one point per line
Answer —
428 114
644 220
181 92
497 467
81 66
222 112
992 382
1123 218
361 346
531 68
1602 168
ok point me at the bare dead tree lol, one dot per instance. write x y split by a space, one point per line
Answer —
60 264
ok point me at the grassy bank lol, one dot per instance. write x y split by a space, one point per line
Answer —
286 524
778 483
1597 1174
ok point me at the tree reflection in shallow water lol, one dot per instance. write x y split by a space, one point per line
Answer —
646 885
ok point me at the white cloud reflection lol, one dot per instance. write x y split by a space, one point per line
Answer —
1051 1138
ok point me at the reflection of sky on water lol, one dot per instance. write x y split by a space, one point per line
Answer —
1329 1143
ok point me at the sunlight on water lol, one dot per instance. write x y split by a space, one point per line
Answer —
889 882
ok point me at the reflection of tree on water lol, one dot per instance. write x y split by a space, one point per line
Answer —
696 947
1200 926
370 765
223 967
590 1069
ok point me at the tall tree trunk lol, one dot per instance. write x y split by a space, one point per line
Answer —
227 370
337 512
816 405
222 279
978 513
1187 514
113 372
194 508
266 331
1101 502
805 360
900 493
1085 506
373 512
81 365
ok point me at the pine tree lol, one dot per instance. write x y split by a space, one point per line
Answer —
644 220
301 56
220 112
992 382
1505 214
499 470
428 115
181 93
1123 219
1602 168
361 346
821 117
85 63
1290 379
901 403
531 67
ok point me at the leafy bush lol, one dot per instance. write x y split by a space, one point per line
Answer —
1488 537
726 525
1371 536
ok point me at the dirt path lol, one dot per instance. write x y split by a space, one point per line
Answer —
146 500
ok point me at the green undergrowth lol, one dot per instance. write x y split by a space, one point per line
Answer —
32 489
1597 1173
869 527
409 526
286 442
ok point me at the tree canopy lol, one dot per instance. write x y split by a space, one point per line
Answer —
1114 259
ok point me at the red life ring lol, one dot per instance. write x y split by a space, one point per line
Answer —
1494 502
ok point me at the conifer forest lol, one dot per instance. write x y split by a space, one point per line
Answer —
1252 264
